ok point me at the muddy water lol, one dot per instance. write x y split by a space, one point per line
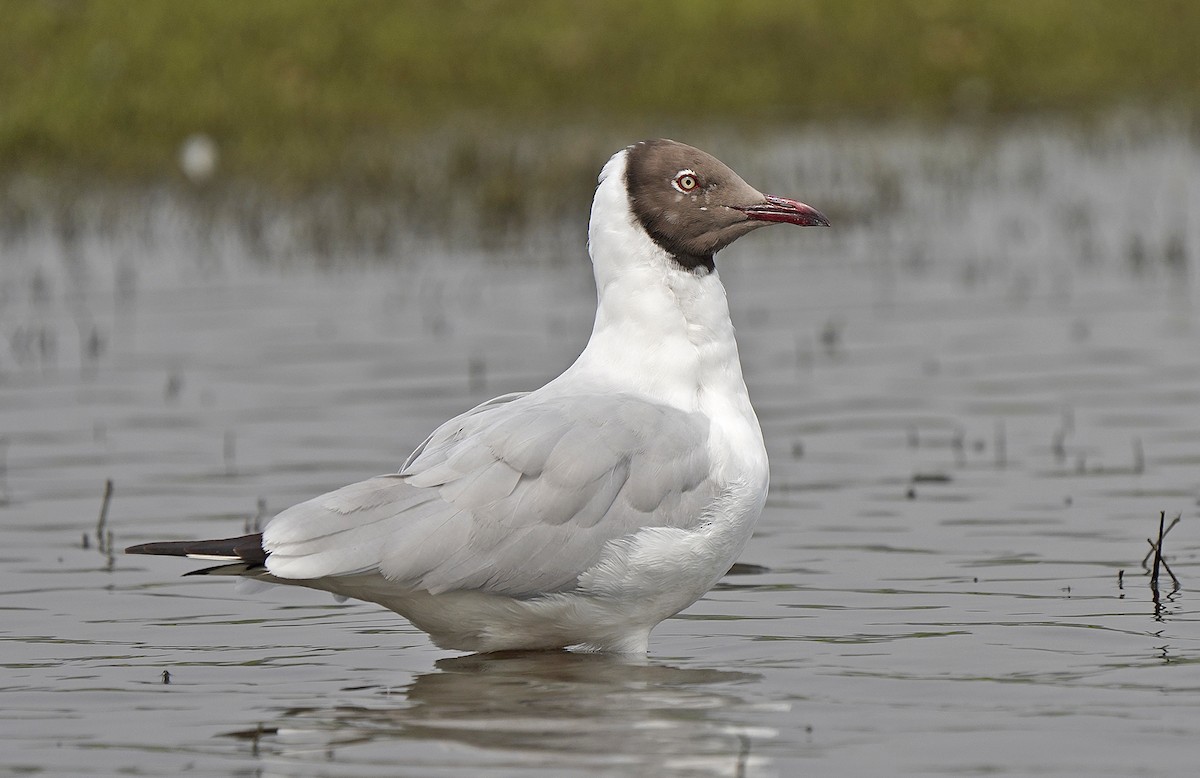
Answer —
976 409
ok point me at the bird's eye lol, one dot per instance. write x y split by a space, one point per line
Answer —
685 181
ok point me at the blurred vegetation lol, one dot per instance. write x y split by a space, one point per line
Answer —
296 92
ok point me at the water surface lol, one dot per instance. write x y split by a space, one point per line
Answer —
977 401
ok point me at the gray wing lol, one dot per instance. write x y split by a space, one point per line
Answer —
515 497
492 403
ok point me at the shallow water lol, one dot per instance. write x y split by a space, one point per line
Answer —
972 435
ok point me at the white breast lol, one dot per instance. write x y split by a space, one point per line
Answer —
665 333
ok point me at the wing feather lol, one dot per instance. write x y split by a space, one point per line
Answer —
516 496
490 481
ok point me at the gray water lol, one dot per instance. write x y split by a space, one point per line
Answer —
978 392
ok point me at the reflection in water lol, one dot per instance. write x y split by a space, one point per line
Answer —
569 711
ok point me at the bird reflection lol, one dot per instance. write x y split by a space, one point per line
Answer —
550 709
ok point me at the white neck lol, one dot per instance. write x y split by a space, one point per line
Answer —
661 331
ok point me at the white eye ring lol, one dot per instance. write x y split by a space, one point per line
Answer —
686 181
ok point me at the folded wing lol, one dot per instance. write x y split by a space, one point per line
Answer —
513 497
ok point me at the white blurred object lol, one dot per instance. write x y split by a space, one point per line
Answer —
198 157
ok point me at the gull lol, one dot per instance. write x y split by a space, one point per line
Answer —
584 513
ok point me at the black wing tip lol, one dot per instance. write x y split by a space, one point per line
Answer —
233 568
163 548
247 548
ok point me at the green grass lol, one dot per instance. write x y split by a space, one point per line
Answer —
301 91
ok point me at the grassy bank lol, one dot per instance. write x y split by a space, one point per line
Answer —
299 91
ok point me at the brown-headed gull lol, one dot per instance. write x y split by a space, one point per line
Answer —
587 511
